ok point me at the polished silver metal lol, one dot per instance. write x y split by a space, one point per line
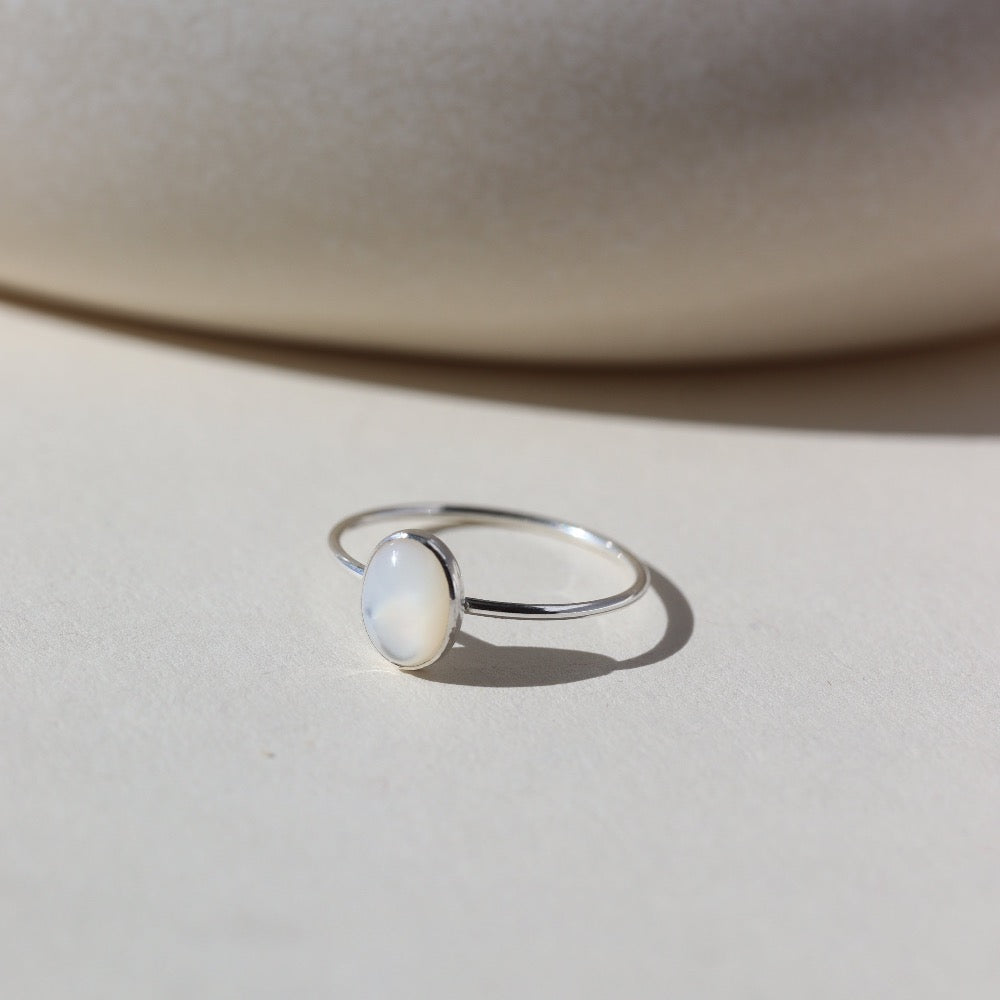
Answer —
508 519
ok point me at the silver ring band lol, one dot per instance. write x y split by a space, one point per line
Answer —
445 561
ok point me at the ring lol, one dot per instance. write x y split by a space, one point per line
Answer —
412 600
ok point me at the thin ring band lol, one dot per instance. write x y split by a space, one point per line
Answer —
516 520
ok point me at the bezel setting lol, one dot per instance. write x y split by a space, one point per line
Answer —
453 578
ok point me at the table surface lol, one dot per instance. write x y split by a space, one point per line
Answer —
774 776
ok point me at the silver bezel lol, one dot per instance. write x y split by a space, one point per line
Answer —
456 594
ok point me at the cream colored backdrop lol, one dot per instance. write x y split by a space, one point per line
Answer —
557 179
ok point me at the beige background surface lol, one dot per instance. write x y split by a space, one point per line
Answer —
530 179
211 786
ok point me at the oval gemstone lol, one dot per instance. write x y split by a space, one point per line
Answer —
406 602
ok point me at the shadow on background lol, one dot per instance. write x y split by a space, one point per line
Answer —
473 662
947 388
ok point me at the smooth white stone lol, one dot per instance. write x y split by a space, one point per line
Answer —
405 602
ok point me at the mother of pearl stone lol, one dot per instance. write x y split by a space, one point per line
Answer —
409 599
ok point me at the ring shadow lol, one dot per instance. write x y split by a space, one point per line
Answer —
476 663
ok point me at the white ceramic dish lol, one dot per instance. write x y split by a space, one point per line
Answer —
555 181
